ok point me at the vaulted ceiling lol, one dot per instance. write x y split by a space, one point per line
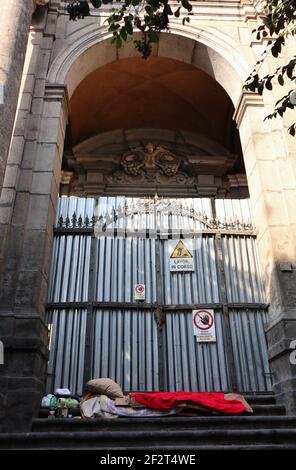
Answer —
156 93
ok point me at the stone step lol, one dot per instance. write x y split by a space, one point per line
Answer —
261 410
269 410
260 399
147 439
172 423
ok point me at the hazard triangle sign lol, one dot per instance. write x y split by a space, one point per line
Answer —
181 258
181 251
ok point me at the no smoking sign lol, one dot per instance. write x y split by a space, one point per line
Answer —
204 325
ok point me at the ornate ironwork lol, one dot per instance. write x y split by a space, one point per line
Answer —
172 208
74 222
153 206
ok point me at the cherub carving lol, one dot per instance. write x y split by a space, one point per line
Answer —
150 159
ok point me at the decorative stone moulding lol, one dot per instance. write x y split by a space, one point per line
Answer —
146 159
246 99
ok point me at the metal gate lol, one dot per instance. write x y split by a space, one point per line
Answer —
103 248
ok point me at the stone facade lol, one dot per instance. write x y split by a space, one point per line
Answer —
59 56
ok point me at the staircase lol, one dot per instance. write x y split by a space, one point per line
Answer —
267 429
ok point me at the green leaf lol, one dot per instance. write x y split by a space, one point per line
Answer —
186 5
281 80
114 27
149 9
123 33
260 88
96 3
177 12
281 110
277 46
251 86
268 84
153 36
290 68
128 26
117 41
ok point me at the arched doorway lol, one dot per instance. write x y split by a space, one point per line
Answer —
136 129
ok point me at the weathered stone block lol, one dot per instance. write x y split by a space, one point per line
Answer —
48 158
25 102
38 211
42 182
33 249
49 130
37 106
28 83
20 123
11 176
25 180
20 211
39 88
28 283
33 127
16 150
279 337
29 153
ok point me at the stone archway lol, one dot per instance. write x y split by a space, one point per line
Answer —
218 55
213 53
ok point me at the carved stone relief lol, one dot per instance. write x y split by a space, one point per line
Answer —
150 159
145 161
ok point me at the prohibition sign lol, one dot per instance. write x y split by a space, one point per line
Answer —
139 288
203 322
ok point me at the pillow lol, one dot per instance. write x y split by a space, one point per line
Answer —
105 387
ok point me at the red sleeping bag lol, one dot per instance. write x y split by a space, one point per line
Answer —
167 400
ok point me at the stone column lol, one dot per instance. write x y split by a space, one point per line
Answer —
24 270
15 19
27 210
271 173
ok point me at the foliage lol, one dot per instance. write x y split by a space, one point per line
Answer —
278 18
150 17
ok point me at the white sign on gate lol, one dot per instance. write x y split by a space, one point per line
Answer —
139 292
181 258
204 325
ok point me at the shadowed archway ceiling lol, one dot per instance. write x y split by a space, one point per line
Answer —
157 93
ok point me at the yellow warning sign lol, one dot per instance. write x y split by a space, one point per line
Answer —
181 258
181 251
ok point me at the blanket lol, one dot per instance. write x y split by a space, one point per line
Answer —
215 401
101 406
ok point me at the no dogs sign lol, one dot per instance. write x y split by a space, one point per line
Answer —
204 325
